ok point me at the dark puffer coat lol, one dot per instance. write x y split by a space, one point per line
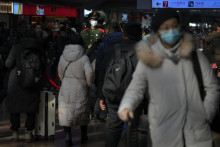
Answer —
20 100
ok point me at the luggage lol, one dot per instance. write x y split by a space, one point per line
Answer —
45 119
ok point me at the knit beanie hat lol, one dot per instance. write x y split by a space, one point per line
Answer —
163 15
132 30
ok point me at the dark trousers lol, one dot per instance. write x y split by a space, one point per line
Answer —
15 121
115 127
84 130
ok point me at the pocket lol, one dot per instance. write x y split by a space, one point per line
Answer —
202 133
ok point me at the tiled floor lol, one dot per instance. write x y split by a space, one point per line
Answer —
96 134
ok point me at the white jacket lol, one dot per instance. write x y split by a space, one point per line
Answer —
177 115
73 100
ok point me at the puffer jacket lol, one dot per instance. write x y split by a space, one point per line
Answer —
177 115
19 99
73 100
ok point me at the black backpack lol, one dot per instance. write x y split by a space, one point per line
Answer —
29 73
118 75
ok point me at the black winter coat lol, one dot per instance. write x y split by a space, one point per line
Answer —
20 100
126 46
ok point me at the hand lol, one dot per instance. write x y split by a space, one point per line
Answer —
102 105
218 74
124 114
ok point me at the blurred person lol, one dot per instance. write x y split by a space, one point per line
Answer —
76 74
22 99
113 35
131 35
177 115
4 52
61 25
70 29
60 41
212 47
48 31
42 38
101 20
3 32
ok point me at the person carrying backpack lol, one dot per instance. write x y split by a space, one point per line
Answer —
24 82
119 63
178 114
113 35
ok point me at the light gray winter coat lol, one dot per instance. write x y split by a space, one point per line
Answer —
73 99
177 115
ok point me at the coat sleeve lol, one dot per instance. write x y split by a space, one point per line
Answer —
136 89
211 101
11 60
88 71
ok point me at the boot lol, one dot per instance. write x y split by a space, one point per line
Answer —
84 136
15 136
28 136
68 136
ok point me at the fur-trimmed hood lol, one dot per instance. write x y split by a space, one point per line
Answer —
153 59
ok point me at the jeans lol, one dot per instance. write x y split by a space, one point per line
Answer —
115 127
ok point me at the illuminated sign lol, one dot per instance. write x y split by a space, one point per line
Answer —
186 4
39 11
26 9
86 12
18 8
6 7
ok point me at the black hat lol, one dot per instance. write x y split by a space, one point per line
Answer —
132 30
94 15
161 16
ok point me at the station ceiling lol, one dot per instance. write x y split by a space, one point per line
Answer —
86 4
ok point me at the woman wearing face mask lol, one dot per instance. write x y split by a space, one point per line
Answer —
177 115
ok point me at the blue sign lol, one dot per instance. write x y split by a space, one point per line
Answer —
186 4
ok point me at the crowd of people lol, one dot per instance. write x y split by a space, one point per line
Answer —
115 71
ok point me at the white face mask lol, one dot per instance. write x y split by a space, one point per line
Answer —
94 23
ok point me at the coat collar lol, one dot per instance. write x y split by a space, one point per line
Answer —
153 59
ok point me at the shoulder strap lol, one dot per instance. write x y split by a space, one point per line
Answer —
66 69
198 72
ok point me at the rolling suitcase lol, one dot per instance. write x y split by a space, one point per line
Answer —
45 119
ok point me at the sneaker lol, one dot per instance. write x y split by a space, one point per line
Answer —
15 136
28 136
